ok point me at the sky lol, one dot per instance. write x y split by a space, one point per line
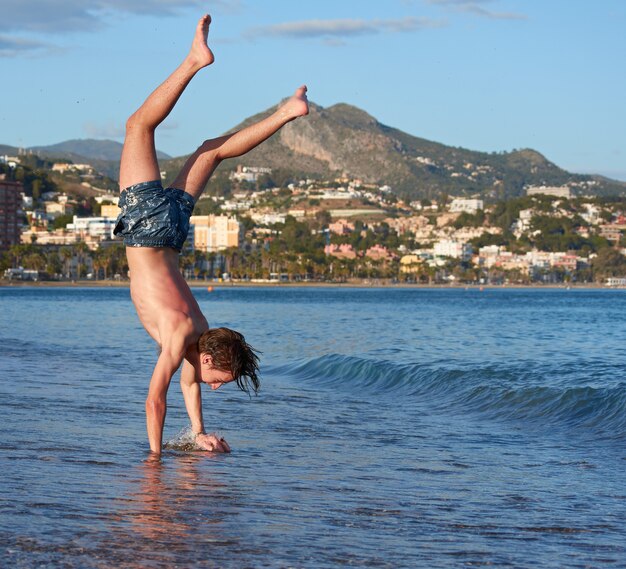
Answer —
489 75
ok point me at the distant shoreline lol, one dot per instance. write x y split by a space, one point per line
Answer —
352 284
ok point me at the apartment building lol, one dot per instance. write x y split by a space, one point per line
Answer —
454 249
555 191
10 201
467 205
210 233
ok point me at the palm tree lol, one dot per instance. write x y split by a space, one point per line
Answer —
99 262
66 255
53 264
34 261
187 262
231 257
198 263
112 258
81 251
211 262
19 251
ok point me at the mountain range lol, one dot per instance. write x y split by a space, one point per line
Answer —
343 140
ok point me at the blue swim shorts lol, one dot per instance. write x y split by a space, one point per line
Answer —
154 217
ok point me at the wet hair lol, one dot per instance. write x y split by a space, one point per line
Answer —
230 352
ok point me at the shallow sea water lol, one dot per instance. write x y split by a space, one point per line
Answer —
394 428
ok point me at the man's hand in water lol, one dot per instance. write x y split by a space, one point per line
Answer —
212 443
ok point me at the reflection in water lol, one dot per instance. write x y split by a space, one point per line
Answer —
161 499
174 509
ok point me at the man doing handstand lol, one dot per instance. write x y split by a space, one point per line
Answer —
154 224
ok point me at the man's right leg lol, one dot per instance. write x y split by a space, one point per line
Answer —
139 161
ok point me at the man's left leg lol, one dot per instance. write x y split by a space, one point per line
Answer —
202 163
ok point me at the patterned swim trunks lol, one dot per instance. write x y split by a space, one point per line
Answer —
154 217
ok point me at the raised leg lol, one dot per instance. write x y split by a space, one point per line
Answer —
139 162
202 163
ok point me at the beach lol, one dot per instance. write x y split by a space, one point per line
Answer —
352 283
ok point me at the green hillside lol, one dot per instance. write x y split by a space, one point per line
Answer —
343 140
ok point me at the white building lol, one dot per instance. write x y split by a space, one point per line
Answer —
556 191
11 161
101 227
336 194
522 224
268 218
538 259
591 214
467 205
454 249
488 255
113 198
62 167
230 205
249 173
55 209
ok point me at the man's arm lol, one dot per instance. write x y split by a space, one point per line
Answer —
156 402
191 387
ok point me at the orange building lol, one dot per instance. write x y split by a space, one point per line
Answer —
215 232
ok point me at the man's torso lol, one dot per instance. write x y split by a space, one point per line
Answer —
161 296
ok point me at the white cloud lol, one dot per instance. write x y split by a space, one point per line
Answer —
475 7
12 47
457 2
108 130
479 11
334 42
341 28
21 18
168 126
52 16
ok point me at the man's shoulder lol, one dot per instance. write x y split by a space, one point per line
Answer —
174 322
181 326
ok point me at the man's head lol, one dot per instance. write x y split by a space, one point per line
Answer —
226 356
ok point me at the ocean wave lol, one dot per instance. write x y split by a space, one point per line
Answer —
587 395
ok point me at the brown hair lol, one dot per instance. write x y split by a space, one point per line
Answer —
230 352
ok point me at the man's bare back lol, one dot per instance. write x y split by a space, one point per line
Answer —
154 223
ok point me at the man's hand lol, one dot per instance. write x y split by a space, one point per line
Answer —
212 443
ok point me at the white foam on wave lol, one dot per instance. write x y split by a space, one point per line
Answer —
184 440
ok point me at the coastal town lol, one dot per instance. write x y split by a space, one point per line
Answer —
57 223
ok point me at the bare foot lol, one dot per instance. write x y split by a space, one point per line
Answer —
200 55
297 105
